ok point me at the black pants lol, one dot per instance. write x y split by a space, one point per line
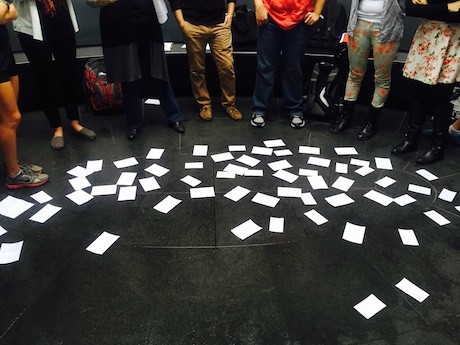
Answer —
59 78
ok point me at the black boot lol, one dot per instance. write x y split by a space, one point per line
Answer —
344 117
370 128
434 154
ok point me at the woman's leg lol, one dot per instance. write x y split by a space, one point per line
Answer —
133 113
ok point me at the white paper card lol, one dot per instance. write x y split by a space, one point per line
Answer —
155 153
202 192
102 243
286 176
385 182
237 193
309 150
363 171
412 290
341 168
79 183
94 165
281 153
45 213
345 151
276 225
248 160
383 163
437 217
200 150
126 179
369 306
236 148
426 174
317 182
12 207
10 252
225 174
408 237
248 228
378 197
41 197
125 163
279 165
110 189
419 189
447 195
193 165
321 162
236 169
354 233
359 162
266 200
167 204
404 200
343 183
127 193
79 171
316 217
157 170
308 199
149 183
274 143
308 172
254 173
339 200
289 192
222 157
263 151
80 197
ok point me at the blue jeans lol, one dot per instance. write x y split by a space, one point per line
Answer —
131 99
275 45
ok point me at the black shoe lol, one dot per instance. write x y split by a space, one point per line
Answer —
344 117
370 128
133 133
408 145
179 127
434 154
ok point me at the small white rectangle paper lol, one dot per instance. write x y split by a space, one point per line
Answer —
79 183
281 153
225 174
254 173
236 169
263 151
124 163
412 290
127 193
317 182
41 197
309 150
79 171
149 184
354 233
426 174
289 192
308 172
343 183
102 243
10 252
359 162
222 157
339 200
155 153
447 195
45 213
383 163
250 161
266 200
12 207
274 143
157 170
369 306
202 192
316 217
237 193
437 217
248 228
104 190
419 189
363 171
404 200
408 237
126 179
80 197
345 151
191 181
286 176
94 166
385 182
341 168
193 165
378 197
200 150
167 204
276 225
236 148
308 199
318 161
279 165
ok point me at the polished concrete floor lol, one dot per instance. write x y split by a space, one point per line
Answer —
184 278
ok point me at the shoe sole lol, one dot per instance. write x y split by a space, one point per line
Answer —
298 126
257 125
24 185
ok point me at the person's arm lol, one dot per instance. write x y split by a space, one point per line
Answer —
261 12
7 12
434 9
312 17
230 11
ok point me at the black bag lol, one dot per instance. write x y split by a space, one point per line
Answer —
101 97
244 27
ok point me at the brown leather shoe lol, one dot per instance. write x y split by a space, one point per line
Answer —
234 113
206 113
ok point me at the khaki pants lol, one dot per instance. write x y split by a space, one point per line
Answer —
219 38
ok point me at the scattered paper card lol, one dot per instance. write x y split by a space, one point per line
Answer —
79 183
248 160
343 183
426 174
149 183
316 217
248 228
10 252
359 162
102 243
309 150
167 204
225 174
125 163
80 197
127 193
274 143
12 207
317 182
339 200
379 198
383 163
447 195
408 237
370 306
200 150
45 213
307 172
437 217
404 200
202 192
266 200
254 173
354 233
126 179
365 170
79 171
276 225
263 151
94 165
110 189
193 165
419 189
341 168
289 192
286 176
345 151
222 157
412 290
281 153
237 148
279 165
157 170
237 193
318 161
308 199
236 169
41 197
385 182
155 153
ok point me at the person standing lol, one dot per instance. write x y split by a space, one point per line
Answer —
376 25
46 29
433 68
17 175
206 22
282 28
133 47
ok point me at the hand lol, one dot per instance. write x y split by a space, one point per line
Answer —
311 18
420 2
102 3
228 19
261 15
9 15
453 6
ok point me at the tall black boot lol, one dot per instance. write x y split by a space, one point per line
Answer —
414 130
344 117
441 122
370 128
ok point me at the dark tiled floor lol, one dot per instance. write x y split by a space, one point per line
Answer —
184 278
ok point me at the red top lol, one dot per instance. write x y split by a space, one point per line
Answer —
288 13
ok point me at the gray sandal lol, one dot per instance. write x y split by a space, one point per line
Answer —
57 143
